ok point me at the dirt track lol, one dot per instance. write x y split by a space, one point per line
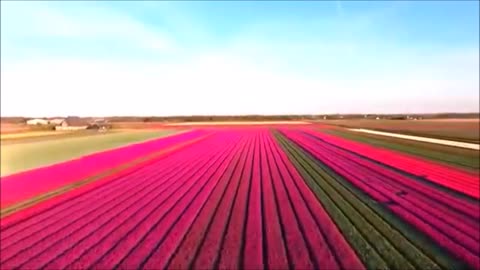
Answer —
472 146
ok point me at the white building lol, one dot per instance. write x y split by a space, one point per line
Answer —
72 124
57 122
37 121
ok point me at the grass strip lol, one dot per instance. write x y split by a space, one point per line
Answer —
26 137
24 156
48 195
432 134
435 136
430 146
465 159
420 253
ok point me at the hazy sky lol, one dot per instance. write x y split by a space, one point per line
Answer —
161 58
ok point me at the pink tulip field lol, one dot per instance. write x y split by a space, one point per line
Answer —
280 197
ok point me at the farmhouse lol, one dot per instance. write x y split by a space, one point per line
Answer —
37 121
72 124
57 121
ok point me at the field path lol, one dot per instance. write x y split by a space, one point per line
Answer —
472 146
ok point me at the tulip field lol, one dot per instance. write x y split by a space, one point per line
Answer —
262 197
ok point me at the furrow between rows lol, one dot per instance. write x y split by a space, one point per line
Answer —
86 227
108 192
190 245
379 196
115 238
460 243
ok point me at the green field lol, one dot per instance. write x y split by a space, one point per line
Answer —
467 130
24 155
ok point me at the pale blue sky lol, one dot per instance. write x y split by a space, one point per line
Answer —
183 58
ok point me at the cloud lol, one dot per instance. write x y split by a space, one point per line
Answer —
226 83
258 70
61 21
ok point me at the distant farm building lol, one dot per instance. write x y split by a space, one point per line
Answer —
100 124
72 124
57 121
37 121
75 123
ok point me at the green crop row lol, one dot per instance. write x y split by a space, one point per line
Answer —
380 239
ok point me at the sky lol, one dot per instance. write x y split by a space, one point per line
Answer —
121 58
